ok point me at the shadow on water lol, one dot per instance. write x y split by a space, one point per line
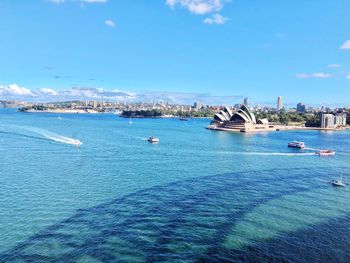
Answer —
187 221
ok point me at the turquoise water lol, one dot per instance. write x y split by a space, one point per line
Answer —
198 195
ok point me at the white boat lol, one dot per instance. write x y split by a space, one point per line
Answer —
325 153
296 144
153 139
339 182
75 142
130 121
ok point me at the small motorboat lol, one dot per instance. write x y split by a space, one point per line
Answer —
296 144
153 139
183 119
325 153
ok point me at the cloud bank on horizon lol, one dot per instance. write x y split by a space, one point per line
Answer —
16 92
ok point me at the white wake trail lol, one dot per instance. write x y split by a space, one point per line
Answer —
52 136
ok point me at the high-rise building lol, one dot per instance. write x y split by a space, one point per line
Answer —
279 103
197 105
301 107
245 102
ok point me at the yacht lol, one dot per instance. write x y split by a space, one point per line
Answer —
339 182
153 139
296 144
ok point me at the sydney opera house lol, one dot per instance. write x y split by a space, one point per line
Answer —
242 120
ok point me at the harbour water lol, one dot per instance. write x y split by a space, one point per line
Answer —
198 195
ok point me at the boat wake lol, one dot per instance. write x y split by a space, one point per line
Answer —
52 136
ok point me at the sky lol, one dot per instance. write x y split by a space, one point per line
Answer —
216 51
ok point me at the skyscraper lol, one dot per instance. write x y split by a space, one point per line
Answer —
300 107
279 103
245 102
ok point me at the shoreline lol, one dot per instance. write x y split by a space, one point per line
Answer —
66 111
58 111
278 128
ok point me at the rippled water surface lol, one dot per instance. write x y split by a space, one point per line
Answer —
198 195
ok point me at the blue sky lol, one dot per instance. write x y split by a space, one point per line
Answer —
255 48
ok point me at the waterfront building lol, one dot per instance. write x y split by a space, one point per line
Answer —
301 108
327 121
242 120
331 121
279 103
340 119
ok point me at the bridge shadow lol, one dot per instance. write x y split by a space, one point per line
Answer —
185 221
326 242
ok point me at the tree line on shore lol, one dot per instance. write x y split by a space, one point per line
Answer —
307 119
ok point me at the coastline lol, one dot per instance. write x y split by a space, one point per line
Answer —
277 128
66 111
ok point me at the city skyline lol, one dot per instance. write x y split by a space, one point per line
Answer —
215 51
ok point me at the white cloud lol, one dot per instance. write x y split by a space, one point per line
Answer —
318 75
199 7
82 1
334 66
346 45
15 90
215 19
48 91
56 1
94 1
348 76
321 75
110 23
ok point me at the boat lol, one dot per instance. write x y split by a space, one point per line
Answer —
153 139
296 144
130 121
183 119
74 142
325 153
339 182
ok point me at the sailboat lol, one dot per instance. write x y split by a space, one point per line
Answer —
337 182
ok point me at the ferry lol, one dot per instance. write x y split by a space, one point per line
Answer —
153 139
296 144
325 153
